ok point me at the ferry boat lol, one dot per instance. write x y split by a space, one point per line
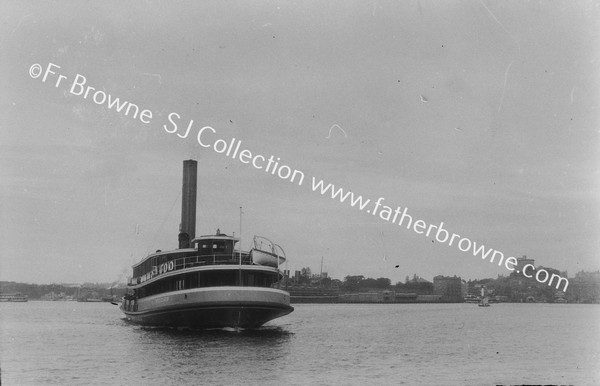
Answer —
16 297
207 282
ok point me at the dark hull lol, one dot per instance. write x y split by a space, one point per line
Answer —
214 307
211 316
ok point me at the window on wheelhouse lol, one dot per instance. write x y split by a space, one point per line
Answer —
216 247
219 247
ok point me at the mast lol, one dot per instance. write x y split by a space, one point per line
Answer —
240 236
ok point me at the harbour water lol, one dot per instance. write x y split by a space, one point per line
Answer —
70 343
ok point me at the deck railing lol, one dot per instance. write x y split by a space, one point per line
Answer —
190 262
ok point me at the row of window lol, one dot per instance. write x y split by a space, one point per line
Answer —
209 279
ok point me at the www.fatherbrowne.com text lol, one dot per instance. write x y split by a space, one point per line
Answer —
207 137
401 217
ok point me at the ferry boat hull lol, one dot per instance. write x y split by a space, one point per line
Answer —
216 307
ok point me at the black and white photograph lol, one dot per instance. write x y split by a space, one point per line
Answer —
337 192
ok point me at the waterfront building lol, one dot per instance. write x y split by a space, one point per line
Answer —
416 285
522 262
449 288
584 288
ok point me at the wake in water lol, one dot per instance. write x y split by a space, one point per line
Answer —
264 331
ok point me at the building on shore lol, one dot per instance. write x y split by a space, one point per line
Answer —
450 288
313 294
388 297
584 288
522 262
416 285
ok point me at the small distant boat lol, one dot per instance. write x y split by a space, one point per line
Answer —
16 297
484 302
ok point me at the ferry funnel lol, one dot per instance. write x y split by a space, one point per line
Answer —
188 204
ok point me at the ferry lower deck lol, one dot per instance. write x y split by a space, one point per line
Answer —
211 307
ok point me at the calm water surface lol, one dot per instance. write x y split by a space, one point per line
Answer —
70 343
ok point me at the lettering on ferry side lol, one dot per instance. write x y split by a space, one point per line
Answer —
166 267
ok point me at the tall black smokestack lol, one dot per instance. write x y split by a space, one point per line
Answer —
188 204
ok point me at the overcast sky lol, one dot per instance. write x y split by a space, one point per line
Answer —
479 114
